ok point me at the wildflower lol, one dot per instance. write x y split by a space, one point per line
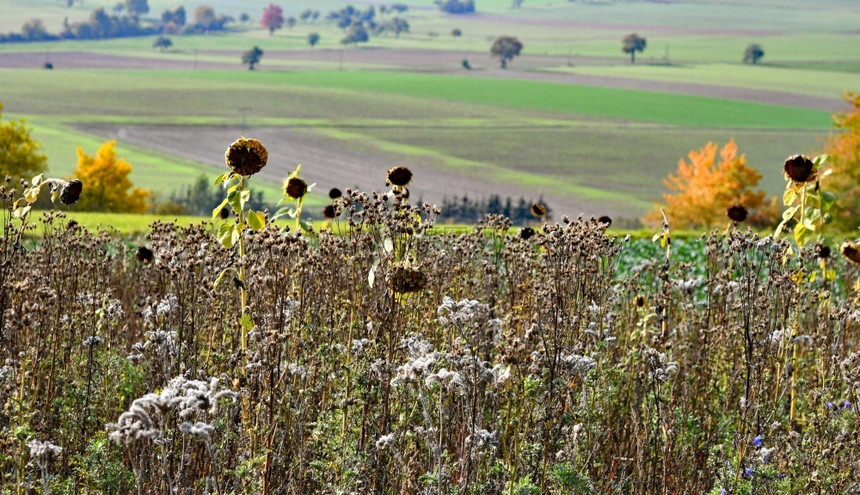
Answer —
334 193
246 156
757 441
405 280
71 192
329 212
851 251
737 213
526 233
144 254
538 210
295 187
385 441
799 169
399 176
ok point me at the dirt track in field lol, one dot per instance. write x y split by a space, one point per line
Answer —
330 162
429 61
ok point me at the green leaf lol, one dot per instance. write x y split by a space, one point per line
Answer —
217 211
827 200
789 212
306 226
256 220
801 234
820 160
789 197
247 322
228 234
221 178
235 200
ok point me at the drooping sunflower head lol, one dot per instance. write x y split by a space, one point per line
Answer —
538 210
799 169
295 187
399 176
851 251
246 156
71 192
737 213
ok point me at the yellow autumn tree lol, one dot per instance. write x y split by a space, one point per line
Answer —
106 183
843 150
705 188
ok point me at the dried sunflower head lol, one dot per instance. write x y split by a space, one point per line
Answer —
71 192
606 220
334 193
737 213
799 169
246 156
144 254
526 233
295 187
329 212
538 210
404 280
851 251
399 176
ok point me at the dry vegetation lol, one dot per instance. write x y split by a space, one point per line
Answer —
378 358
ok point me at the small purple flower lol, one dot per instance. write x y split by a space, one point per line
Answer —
846 404
828 405
722 491
749 472
782 476
757 441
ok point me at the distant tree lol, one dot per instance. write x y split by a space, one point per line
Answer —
108 187
290 22
306 14
705 188
162 43
313 39
34 30
631 44
244 17
137 7
204 15
118 8
515 4
456 6
21 156
273 18
506 48
175 16
252 57
399 7
753 54
356 34
396 25
456 32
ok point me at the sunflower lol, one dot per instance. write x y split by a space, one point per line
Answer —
246 156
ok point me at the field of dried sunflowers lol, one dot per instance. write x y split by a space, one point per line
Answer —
379 357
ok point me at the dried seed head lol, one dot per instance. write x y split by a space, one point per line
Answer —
246 156
405 280
640 301
399 176
329 212
538 210
526 233
851 251
822 251
144 254
799 168
295 187
334 193
737 213
71 192
605 220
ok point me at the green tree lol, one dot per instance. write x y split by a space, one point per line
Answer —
34 30
162 43
137 7
313 39
252 57
753 54
21 156
506 48
631 44
355 34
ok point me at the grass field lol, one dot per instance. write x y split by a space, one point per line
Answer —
606 146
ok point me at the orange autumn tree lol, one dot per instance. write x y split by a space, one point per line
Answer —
705 188
106 183
844 158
